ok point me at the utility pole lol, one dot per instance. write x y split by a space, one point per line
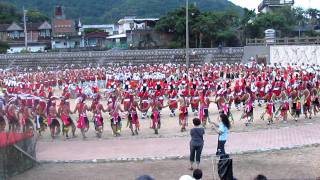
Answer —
25 29
187 33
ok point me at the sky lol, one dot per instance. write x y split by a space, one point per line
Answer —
253 4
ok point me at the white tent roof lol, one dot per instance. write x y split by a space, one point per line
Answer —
117 36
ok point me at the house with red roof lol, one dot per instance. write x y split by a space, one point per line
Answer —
65 32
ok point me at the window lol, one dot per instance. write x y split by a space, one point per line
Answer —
42 33
45 33
16 34
48 33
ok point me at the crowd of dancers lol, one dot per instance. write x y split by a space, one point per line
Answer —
40 100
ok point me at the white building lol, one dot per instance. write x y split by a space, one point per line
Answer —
111 29
132 23
32 47
269 5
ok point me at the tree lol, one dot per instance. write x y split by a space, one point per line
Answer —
282 20
3 47
36 16
245 20
8 13
204 27
175 23
110 11
314 15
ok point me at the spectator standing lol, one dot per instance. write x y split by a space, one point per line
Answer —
223 130
196 143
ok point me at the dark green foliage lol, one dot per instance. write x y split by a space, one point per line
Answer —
36 16
3 47
92 30
9 13
207 29
109 11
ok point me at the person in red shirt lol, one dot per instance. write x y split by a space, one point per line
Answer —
194 101
144 100
172 95
183 112
307 103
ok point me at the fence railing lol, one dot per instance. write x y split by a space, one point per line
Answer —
285 41
17 153
7 139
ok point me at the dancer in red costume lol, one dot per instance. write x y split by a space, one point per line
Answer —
114 108
40 115
307 103
194 99
53 122
144 100
97 109
204 106
24 116
172 95
83 122
155 106
284 107
64 112
133 119
247 99
183 114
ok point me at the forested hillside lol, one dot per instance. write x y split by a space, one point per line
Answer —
108 11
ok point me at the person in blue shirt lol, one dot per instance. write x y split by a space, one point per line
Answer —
223 130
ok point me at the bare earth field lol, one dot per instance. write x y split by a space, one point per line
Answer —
303 163
297 163
170 126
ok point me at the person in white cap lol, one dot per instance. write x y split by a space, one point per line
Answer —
186 177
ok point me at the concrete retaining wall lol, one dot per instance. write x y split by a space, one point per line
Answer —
307 54
136 57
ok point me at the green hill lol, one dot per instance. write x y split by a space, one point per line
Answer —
108 11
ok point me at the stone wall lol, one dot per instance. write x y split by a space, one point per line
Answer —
135 57
308 54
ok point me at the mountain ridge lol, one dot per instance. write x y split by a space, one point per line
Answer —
109 11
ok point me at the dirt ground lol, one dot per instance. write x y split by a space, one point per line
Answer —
170 126
301 163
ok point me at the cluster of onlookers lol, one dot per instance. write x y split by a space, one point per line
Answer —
197 175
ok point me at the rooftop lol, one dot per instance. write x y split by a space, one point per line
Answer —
63 26
274 3
19 26
122 21
98 26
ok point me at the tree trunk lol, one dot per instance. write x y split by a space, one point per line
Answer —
196 40
200 40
